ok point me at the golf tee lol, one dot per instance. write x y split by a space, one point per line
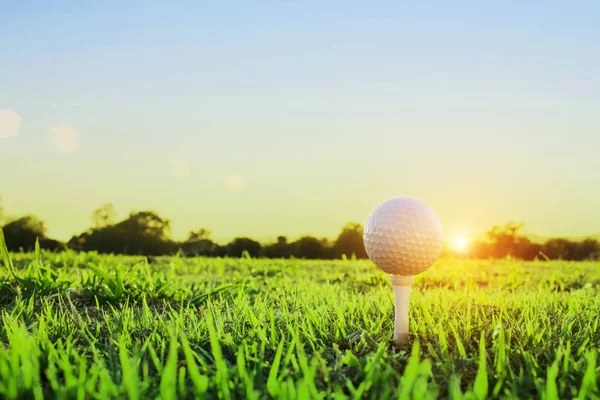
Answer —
402 285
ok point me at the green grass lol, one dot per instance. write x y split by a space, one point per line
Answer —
90 326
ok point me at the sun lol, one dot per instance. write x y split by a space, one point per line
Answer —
461 244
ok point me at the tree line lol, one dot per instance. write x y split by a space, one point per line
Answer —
506 241
147 233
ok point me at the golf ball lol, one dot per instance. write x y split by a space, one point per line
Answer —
403 236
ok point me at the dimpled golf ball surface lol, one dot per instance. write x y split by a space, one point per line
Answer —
403 236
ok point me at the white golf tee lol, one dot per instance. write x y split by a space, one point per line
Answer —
401 286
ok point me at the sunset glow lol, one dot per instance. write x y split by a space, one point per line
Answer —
461 244
285 126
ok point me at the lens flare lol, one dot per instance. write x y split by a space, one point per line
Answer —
10 123
63 138
235 184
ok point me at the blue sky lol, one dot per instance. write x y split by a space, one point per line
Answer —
486 111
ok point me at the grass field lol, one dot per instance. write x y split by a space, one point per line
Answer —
90 326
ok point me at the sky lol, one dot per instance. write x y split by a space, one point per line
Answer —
268 118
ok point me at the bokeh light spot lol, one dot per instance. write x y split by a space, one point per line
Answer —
63 138
235 183
10 123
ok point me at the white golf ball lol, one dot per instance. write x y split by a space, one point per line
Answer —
403 236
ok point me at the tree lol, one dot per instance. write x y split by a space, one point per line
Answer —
22 233
526 250
238 246
104 216
199 244
202 247
310 247
350 242
199 234
560 249
589 249
280 249
147 223
505 241
142 233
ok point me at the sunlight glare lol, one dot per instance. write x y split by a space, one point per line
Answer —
461 244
